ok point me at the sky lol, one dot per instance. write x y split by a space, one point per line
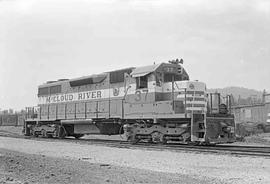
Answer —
223 42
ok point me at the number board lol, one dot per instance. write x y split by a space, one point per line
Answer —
170 69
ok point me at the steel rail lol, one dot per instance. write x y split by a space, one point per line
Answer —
258 151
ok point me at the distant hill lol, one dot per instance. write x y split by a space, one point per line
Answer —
244 93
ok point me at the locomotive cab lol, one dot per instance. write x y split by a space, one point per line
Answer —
171 107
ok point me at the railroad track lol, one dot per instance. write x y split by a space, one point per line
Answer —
218 149
256 151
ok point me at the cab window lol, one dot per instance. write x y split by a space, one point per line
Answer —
158 79
168 77
141 82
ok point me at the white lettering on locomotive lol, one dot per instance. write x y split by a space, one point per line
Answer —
88 95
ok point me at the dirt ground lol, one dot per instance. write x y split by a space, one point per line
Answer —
21 168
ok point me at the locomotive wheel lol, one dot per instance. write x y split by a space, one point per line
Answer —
49 135
44 133
164 141
186 137
196 143
133 139
77 136
35 134
61 133
157 137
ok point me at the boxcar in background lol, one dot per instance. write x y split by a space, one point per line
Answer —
252 119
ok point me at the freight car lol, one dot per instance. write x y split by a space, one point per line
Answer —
156 103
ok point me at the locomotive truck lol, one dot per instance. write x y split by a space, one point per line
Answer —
156 103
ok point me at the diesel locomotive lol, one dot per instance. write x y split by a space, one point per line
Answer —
156 103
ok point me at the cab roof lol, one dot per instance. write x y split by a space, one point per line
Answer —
144 70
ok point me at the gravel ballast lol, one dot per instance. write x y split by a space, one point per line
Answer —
21 168
213 167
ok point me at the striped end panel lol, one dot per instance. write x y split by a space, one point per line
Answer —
195 101
196 111
202 99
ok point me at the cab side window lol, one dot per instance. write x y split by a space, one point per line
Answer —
141 82
168 77
158 79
